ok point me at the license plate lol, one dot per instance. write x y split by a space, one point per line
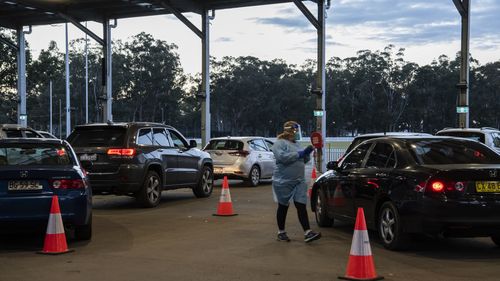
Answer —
88 157
218 170
24 185
488 186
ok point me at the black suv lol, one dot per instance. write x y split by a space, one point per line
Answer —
141 159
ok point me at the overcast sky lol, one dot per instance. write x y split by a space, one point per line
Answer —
426 28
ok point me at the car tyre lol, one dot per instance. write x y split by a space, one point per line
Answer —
496 239
84 232
254 176
390 229
150 194
205 185
321 210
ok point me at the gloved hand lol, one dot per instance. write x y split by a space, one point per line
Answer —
306 151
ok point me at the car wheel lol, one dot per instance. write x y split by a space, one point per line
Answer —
389 228
321 210
254 176
205 185
84 232
496 239
150 194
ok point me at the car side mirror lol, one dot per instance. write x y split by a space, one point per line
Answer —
193 144
332 165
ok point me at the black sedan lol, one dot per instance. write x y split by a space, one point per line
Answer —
31 172
408 185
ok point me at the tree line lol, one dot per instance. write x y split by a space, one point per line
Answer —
371 92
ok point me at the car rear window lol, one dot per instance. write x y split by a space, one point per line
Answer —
13 133
34 154
468 135
224 145
443 152
102 137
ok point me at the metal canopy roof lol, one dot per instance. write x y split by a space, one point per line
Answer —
15 13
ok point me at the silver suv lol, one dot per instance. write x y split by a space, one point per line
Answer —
246 158
488 136
17 131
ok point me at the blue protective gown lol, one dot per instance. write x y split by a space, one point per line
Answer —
288 179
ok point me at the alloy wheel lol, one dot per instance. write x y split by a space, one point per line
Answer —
153 189
207 181
387 225
255 176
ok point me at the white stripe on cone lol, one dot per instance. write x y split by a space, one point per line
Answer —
55 225
360 244
225 196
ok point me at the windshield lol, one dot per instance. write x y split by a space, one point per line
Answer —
224 145
443 152
93 137
34 154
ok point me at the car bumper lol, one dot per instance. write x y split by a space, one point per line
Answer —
25 211
230 171
453 218
128 179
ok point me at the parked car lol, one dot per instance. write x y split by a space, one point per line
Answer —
488 136
17 131
246 158
431 185
31 172
46 135
141 160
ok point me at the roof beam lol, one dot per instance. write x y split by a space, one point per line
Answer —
307 13
460 7
8 43
166 4
82 28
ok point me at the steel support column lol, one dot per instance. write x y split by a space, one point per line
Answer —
68 99
107 73
463 8
205 74
320 89
321 82
22 118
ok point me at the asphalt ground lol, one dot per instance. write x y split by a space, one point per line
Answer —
181 240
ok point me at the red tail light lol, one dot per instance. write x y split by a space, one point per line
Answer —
438 186
68 184
121 151
242 153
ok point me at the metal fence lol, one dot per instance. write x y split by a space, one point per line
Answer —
333 154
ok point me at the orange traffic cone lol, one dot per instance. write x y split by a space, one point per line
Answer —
313 179
225 207
360 265
55 239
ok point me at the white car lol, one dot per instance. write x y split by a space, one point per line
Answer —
247 158
488 136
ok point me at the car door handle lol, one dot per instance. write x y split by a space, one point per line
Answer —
260 156
381 174
160 150
400 178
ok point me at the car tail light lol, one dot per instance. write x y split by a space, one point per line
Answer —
121 151
242 153
437 186
68 184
